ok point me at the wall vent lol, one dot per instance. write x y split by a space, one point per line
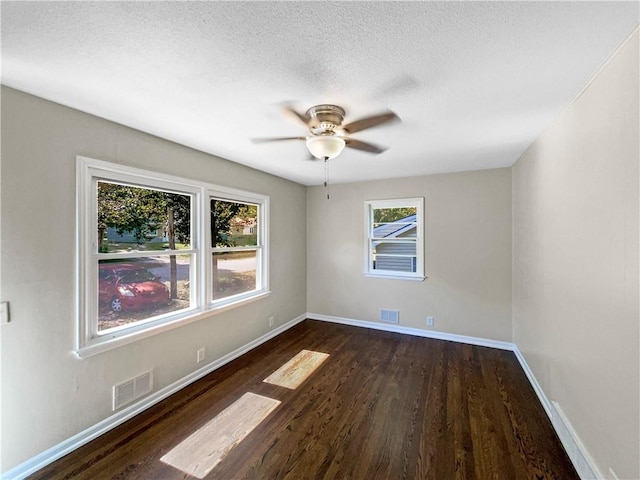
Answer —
132 389
389 316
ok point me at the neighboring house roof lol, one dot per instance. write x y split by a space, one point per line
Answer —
395 229
244 222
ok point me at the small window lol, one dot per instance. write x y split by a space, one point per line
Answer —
394 243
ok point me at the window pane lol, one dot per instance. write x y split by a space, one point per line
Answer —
136 289
394 264
381 215
233 224
233 273
398 256
398 222
139 218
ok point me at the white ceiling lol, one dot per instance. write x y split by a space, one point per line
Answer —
474 82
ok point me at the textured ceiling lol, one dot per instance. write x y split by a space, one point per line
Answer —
474 82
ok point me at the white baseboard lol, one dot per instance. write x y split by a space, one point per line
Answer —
582 461
578 454
482 342
63 448
546 404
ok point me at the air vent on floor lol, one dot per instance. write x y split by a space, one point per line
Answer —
389 316
132 389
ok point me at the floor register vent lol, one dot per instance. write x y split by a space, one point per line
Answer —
132 389
389 316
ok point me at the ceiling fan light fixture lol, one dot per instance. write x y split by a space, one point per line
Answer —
325 146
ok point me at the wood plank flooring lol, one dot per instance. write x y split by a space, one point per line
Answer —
381 406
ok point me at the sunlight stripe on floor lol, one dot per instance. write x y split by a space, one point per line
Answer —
295 371
199 453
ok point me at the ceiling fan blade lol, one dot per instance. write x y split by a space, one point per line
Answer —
364 146
372 121
300 116
275 139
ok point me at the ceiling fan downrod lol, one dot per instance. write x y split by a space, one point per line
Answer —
326 175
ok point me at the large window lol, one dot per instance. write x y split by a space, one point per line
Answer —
394 238
157 251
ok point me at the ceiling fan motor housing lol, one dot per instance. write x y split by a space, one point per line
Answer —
325 119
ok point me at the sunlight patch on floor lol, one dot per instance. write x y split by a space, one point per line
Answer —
297 370
199 453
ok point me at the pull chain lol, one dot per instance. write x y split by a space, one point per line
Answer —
326 176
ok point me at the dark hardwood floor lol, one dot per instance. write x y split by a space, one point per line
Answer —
381 406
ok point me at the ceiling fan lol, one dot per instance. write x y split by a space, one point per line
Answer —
327 134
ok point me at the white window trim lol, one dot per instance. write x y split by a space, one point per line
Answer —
369 206
88 343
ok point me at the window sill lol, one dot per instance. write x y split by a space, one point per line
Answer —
109 342
241 300
395 277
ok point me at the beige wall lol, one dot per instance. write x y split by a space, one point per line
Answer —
48 394
467 254
575 271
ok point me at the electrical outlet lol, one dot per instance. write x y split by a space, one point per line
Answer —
430 321
200 355
271 319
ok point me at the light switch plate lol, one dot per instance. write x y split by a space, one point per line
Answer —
4 312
